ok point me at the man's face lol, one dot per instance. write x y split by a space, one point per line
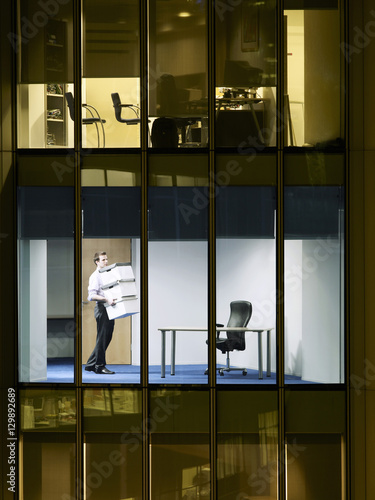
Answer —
102 262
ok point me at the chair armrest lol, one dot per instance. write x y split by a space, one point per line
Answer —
218 325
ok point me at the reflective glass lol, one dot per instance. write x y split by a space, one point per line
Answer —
246 269
247 450
245 42
315 445
44 45
46 284
112 449
314 231
178 201
178 73
314 76
111 95
111 198
179 445
47 447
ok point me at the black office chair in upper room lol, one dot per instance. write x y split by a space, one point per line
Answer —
172 106
118 110
92 119
240 314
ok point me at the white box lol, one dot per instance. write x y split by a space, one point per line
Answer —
120 290
123 308
115 272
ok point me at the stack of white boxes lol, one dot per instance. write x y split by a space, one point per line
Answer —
119 285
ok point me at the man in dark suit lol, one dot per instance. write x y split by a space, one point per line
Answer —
97 360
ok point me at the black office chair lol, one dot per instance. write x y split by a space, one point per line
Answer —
240 314
118 110
172 106
92 119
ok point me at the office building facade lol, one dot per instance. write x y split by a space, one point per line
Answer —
221 154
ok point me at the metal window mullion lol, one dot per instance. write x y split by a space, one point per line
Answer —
146 469
280 299
77 57
212 252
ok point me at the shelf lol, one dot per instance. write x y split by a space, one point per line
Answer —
55 116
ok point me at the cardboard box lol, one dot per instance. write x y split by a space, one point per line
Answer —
121 271
123 308
120 290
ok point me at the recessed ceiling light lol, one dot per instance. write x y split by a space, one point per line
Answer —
184 14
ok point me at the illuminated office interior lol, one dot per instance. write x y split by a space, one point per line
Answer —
223 151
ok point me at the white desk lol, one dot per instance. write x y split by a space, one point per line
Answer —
174 329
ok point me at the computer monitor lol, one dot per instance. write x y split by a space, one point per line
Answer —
239 74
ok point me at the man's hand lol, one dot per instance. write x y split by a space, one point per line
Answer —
111 302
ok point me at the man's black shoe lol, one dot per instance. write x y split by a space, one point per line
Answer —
90 368
103 370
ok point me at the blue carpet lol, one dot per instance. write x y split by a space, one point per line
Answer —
61 370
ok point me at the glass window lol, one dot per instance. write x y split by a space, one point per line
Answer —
47 447
112 448
178 201
179 445
45 61
46 284
111 90
314 94
246 269
247 464
314 231
178 73
111 200
315 445
245 42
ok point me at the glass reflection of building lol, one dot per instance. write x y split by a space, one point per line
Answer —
205 145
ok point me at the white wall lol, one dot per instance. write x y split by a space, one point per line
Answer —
313 310
296 72
293 307
97 92
60 278
321 342
246 270
178 294
178 297
33 310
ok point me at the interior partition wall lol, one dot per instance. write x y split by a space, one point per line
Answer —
216 168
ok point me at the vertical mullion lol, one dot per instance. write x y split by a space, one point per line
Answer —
144 248
280 302
212 252
77 58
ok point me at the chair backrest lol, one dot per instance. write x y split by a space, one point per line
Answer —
70 101
164 133
117 105
240 314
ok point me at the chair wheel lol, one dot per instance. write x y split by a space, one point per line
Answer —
244 372
221 373
206 372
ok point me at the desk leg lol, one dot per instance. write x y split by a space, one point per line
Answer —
162 353
268 353
260 355
173 351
